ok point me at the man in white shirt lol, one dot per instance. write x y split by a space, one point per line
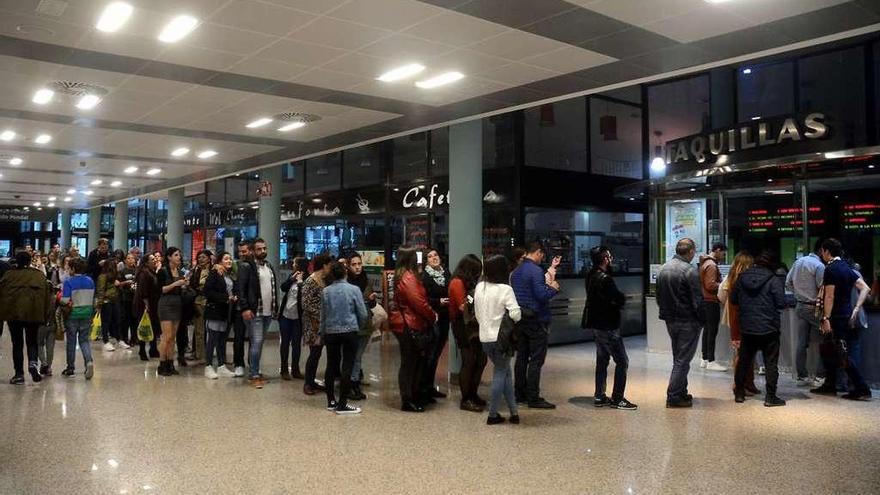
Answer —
258 304
804 280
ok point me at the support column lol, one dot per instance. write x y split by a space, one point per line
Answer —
64 227
94 229
269 215
466 201
174 222
120 225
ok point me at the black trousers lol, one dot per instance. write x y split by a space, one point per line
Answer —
312 364
182 339
128 323
842 340
530 355
750 344
609 345
712 310
473 362
238 340
412 368
24 334
441 335
341 348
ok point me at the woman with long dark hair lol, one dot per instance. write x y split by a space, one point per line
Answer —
412 323
730 315
170 279
435 278
290 320
197 281
466 331
220 294
107 300
312 303
146 299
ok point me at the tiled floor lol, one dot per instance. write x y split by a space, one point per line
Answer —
129 431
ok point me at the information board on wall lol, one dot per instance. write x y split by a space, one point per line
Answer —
788 219
685 219
860 216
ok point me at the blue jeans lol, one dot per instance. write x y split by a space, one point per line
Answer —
685 336
257 327
291 340
78 331
806 327
502 379
217 331
358 357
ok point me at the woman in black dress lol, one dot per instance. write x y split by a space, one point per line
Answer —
171 280
146 298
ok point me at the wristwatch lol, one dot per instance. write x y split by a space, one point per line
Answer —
825 318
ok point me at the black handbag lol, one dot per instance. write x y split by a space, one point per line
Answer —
508 337
187 295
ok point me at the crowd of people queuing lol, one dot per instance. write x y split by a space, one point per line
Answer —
496 309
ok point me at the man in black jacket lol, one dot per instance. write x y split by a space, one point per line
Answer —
760 296
604 304
258 303
680 301
245 255
97 257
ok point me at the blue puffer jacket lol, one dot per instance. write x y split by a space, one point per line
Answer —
342 309
760 295
531 289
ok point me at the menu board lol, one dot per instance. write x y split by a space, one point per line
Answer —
416 232
860 216
685 219
783 219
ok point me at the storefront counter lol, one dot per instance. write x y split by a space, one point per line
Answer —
658 341
568 308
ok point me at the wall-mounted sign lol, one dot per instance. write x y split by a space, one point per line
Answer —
27 214
192 221
787 219
425 197
685 219
265 189
861 216
231 217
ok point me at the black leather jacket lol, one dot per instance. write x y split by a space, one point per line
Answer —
249 287
679 295
604 301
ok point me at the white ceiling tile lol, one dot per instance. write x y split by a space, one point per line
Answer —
361 65
92 76
517 74
456 29
516 45
25 67
200 57
761 12
268 69
36 28
466 61
698 24
298 52
120 44
261 17
569 59
200 9
222 38
329 79
386 14
338 33
154 85
637 13
313 6
406 49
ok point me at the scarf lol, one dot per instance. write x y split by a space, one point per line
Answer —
439 276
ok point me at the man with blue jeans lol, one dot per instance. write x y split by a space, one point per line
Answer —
679 296
258 303
533 294
78 294
804 280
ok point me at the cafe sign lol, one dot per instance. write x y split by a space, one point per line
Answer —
750 136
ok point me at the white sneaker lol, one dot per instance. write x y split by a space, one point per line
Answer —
210 374
761 370
90 370
348 410
109 347
805 382
239 371
703 363
224 372
122 345
818 382
713 366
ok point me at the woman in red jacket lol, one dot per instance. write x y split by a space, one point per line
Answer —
411 323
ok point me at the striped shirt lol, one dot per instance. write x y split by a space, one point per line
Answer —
79 291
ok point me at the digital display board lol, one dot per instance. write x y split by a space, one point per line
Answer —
860 216
783 219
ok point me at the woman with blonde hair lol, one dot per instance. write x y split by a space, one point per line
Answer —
730 312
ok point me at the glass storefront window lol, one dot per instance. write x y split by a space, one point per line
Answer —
765 90
615 139
677 109
216 193
499 140
555 135
362 166
439 165
410 155
835 83
293 175
323 173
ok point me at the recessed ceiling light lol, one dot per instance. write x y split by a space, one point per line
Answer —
747 71
259 123
441 80
401 73
130 170
43 139
757 117
292 126
658 164
871 166
116 183
7 135
207 154
52 198
43 96
97 182
38 204
180 152
16 161
71 191
67 199
154 171
51 205
89 192
178 28
88 102
114 17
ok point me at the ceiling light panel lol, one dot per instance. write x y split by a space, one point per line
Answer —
7 135
71 191
43 139
89 192
259 123
207 154
43 96
114 16
97 182
399 73
178 28
441 80
16 161
88 102
154 171
180 152
131 170
116 183
292 126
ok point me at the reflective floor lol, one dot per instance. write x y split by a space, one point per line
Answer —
129 431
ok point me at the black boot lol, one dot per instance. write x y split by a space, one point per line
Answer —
355 392
154 353
163 368
171 369
181 359
143 354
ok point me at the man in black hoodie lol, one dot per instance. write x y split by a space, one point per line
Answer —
760 295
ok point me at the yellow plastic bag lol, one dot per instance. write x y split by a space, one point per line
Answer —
145 329
96 327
